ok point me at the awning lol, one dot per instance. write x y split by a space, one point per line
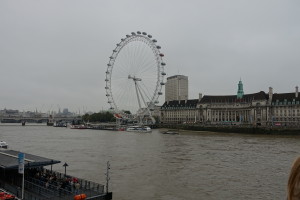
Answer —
9 160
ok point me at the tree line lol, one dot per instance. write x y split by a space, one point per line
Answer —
99 117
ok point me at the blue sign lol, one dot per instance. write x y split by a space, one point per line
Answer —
21 158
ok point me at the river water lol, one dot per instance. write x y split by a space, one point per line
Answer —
155 166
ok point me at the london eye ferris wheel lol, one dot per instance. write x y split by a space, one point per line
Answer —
135 76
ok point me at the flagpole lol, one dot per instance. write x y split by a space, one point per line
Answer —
23 186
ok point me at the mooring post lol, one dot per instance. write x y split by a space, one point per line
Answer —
107 175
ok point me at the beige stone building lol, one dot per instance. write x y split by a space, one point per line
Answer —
284 108
178 112
230 110
256 109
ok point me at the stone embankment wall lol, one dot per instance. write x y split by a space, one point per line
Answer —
235 129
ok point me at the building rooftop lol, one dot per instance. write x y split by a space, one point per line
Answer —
181 103
285 96
177 76
9 160
233 98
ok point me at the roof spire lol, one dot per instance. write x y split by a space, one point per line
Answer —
240 92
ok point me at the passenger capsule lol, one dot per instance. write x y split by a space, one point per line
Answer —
107 72
156 102
108 64
109 102
118 44
163 64
106 80
144 33
111 57
163 73
122 39
107 95
139 32
133 33
161 55
128 36
106 87
149 36
162 83
158 47
160 93
154 40
111 108
114 51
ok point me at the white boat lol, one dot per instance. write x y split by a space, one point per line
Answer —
144 129
3 145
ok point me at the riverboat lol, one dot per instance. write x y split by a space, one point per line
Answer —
50 121
81 126
170 132
60 124
144 129
3 145
40 183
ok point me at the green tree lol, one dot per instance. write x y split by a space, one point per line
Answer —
86 117
99 117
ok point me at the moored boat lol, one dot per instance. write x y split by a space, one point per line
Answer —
80 126
3 145
50 121
144 129
60 124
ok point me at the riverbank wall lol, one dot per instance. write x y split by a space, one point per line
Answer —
235 129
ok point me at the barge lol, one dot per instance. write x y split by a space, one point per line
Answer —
40 183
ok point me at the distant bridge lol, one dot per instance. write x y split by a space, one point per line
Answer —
37 119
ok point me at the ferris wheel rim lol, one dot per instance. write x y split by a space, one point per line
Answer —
151 43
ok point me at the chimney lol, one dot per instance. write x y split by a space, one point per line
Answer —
270 94
200 96
296 94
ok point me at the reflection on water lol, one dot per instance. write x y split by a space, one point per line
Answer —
157 166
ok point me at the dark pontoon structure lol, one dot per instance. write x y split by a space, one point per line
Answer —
41 183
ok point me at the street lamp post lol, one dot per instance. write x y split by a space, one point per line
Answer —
65 165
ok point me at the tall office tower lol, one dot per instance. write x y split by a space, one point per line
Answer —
176 88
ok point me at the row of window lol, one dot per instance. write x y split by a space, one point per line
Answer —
284 110
176 108
285 102
286 119
226 113
284 114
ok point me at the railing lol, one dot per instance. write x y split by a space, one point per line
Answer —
84 184
40 192
39 187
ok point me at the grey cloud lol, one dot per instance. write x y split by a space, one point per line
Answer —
55 52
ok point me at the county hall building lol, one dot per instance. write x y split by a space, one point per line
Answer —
256 109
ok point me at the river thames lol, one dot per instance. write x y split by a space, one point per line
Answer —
155 166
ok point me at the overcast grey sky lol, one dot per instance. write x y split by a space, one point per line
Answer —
53 53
